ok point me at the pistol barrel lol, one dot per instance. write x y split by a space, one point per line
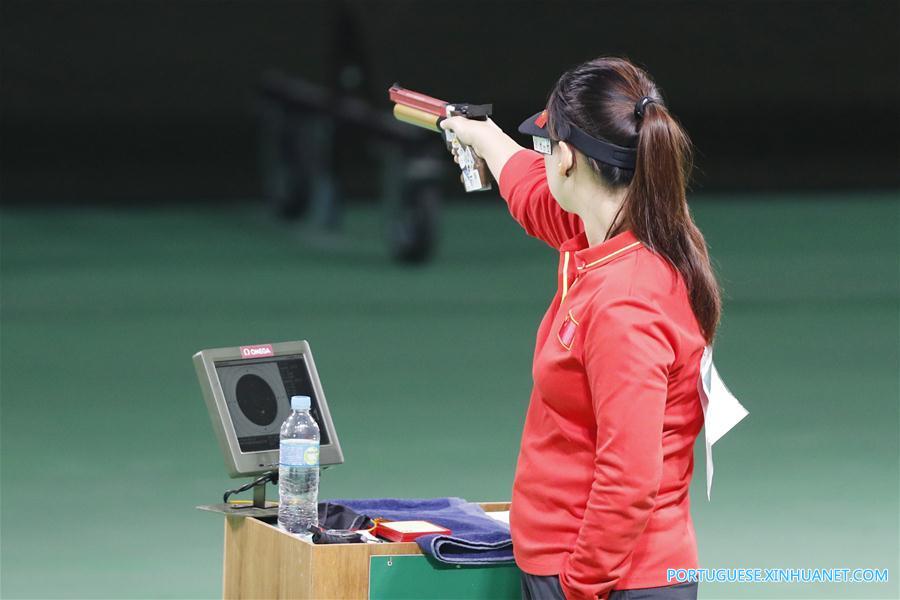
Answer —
417 117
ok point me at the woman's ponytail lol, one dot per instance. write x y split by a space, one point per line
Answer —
657 211
612 99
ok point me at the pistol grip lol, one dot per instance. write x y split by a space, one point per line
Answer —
476 176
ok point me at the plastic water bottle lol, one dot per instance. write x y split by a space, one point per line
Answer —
298 470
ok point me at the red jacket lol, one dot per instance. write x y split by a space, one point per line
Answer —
601 487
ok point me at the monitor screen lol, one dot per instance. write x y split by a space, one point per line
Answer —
258 396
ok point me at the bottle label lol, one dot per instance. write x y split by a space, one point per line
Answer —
299 453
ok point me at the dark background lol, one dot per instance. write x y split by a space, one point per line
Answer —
154 99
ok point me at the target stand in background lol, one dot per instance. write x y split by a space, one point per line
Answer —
299 131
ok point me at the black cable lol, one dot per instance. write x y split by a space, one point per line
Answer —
267 477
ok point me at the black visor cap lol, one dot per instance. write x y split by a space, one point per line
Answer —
530 126
600 150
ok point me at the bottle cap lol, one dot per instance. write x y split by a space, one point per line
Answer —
300 403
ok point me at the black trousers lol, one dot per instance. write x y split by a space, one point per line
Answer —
547 587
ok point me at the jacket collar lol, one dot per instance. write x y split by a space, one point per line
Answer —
589 257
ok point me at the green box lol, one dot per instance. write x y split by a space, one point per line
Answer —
416 577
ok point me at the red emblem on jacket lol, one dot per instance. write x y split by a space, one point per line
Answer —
566 333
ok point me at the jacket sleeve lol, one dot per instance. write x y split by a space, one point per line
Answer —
627 353
523 184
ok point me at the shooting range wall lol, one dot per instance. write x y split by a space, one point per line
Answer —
108 100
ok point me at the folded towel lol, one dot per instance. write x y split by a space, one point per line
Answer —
475 537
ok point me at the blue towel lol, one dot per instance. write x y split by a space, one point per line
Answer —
475 537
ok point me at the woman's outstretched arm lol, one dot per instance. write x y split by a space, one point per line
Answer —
522 180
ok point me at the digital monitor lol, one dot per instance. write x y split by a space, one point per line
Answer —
248 392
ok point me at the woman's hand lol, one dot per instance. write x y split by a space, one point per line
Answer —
470 132
486 138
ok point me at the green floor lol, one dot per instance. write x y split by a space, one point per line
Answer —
106 444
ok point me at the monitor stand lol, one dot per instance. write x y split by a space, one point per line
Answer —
259 507
259 495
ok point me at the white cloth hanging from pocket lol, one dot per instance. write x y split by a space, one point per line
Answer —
721 410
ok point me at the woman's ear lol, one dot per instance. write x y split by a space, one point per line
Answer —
566 159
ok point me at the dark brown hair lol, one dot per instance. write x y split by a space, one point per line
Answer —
599 97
